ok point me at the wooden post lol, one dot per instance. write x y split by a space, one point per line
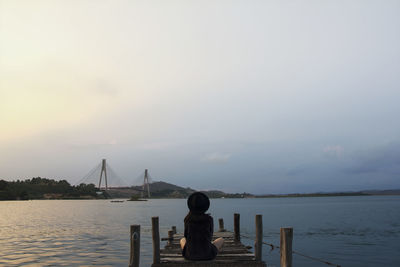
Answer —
259 238
174 229
236 226
156 239
170 237
286 247
221 225
135 246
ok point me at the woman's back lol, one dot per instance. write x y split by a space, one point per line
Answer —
198 233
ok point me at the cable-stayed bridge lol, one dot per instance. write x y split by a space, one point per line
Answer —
106 178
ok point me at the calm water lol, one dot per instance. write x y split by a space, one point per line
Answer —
351 231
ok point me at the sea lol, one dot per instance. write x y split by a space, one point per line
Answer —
356 231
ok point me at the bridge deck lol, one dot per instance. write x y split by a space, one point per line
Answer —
233 254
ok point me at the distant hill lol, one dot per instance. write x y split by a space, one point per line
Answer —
162 186
382 192
157 190
337 194
167 190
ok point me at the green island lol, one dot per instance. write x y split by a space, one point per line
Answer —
43 188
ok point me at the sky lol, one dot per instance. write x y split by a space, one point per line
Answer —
240 96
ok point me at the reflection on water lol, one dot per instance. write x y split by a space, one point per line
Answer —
351 231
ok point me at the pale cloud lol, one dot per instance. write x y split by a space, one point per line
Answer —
383 160
112 142
103 87
92 145
333 151
217 157
155 146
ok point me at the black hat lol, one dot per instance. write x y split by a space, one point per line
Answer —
198 202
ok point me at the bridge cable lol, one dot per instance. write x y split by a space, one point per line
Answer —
150 178
139 178
114 175
90 173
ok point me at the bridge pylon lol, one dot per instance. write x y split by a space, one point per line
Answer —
146 184
103 169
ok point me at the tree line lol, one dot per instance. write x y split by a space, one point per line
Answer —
43 188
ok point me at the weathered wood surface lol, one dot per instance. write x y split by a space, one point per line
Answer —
258 241
286 247
135 246
233 254
156 239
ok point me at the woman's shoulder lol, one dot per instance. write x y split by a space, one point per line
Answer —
191 217
209 217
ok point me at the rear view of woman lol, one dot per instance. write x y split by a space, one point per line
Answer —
199 228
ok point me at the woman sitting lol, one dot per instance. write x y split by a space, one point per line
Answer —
199 228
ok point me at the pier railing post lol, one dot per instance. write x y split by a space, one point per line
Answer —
221 225
156 239
259 238
135 246
170 237
236 226
286 247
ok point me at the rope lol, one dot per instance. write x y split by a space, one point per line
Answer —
297 253
316 259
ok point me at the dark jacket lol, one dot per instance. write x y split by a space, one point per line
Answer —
199 230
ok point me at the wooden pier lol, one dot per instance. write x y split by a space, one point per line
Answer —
232 254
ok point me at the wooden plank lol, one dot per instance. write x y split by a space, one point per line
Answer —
210 264
234 259
219 255
216 234
180 260
227 243
225 251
